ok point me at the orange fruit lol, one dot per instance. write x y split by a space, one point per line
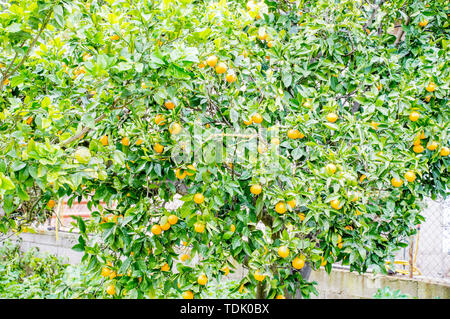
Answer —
212 61
249 122
396 182
432 145
330 168
230 77
428 98
187 295
51 203
199 198
298 262
283 251
226 270
114 37
257 118
418 148
199 227
106 272
221 68
29 120
139 141
192 168
232 228
156 229
414 116
335 203
362 178
104 140
445 151
165 267
431 87
125 141
256 189
158 148
184 257
280 297
410 176
172 219
175 128
111 290
423 23
323 262
169 105
280 208
166 226
374 125
201 65
293 134
202 279
349 227
332 117
301 216
258 276
291 203
270 44
160 119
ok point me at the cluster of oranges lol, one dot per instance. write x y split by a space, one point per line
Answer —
219 67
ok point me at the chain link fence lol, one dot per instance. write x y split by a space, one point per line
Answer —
428 253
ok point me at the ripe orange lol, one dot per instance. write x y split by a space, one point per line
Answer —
125 141
104 140
199 198
257 118
172 219
166 226
139 141
445 151
396 182
51 203
258 276
298 262
270 44
202 279
226 270
283 251
431 87
201 65
280 208
212 61
184 257
249 122
187 295
330 168
158 148
432 145
111 290
156 229
160 119
106 272
199 227
192 168
423 23
175 128
428 98
114 37
293 134
221 68
362 178
374 125
280 297
230 77
256 189
410 176
335 203
232 228
165 267
291 203
324 262
418 148
332 117
169 105
29 120
414 116
301 216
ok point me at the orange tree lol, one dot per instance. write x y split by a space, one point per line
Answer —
298 134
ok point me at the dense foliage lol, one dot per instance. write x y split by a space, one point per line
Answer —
297 133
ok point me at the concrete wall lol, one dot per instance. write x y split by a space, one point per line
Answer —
342 284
